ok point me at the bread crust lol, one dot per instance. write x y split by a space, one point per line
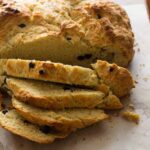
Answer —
72 32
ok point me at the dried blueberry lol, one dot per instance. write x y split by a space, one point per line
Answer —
111 69
5 111
22 25
42 72
12 10
16 11
4 4
99 16
31 65
69 38
25 121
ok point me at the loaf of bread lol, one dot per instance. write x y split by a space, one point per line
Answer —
66 120
73 32
16 124
52 96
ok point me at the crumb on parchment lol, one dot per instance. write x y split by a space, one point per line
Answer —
131 116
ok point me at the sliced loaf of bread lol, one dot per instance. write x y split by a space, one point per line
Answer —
54 96
16 124
66 120
119 79
50 71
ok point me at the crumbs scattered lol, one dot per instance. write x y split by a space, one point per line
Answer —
131 107
131 116
142 65
145 79
138 49
136 82
136 75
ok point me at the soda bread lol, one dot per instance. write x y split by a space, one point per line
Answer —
117 78
52 96
16 124
62 120
73 32
50 71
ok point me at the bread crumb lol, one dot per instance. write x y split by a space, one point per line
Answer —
131 116
145 79
138 49
131 106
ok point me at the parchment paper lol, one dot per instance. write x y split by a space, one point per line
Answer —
117 134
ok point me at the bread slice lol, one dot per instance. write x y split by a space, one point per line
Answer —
50 71
66 120
73 32
16 124
119 79
53 96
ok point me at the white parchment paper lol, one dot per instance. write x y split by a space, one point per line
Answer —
117 134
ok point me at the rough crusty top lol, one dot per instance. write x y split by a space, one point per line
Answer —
94 22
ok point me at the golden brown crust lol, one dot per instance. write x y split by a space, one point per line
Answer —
50 71
75 32
63 120
117 78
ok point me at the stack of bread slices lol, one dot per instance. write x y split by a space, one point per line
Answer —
51 100
59 83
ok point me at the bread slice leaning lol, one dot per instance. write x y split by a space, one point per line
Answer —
54 96
66 120
50 71
119 79
16 124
